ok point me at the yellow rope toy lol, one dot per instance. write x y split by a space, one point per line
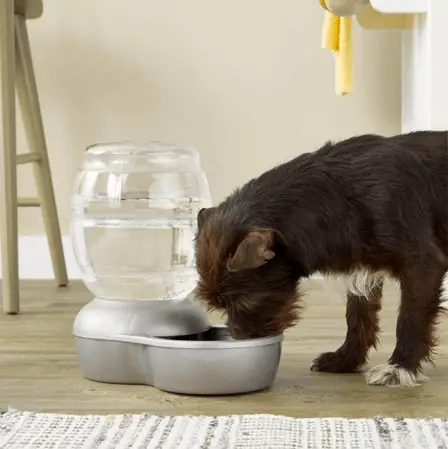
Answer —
337 36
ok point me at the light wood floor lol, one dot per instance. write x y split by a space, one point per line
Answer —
39 369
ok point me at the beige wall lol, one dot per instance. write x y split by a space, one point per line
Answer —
245 81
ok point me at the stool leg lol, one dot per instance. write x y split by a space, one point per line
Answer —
8 175
32 119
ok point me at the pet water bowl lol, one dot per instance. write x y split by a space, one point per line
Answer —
134 219
207 363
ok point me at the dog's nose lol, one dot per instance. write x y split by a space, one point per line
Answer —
234 331
237 333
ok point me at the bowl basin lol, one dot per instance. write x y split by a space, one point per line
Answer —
207 363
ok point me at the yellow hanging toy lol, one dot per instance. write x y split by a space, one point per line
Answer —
337 36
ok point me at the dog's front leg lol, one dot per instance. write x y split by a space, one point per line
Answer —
420 305
362 330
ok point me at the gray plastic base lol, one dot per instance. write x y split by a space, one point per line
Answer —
208 364
105 318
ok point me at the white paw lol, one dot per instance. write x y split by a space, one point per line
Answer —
393 376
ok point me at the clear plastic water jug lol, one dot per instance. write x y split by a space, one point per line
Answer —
134 219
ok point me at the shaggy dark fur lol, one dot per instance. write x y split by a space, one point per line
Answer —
368 202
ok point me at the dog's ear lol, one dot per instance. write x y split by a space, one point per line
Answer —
203 215
253 251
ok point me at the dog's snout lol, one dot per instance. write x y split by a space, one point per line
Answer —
235 331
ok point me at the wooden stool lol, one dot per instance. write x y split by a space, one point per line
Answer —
16 70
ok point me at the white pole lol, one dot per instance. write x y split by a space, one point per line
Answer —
425 70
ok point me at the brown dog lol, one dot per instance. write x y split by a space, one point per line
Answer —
367 207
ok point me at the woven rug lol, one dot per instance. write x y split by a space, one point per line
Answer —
25 430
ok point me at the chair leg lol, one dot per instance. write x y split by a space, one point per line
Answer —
8 176
32 119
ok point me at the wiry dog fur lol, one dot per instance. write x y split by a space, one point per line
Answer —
367 206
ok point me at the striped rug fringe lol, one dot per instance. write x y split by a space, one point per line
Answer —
29 430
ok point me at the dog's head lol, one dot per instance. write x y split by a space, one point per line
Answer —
246 272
